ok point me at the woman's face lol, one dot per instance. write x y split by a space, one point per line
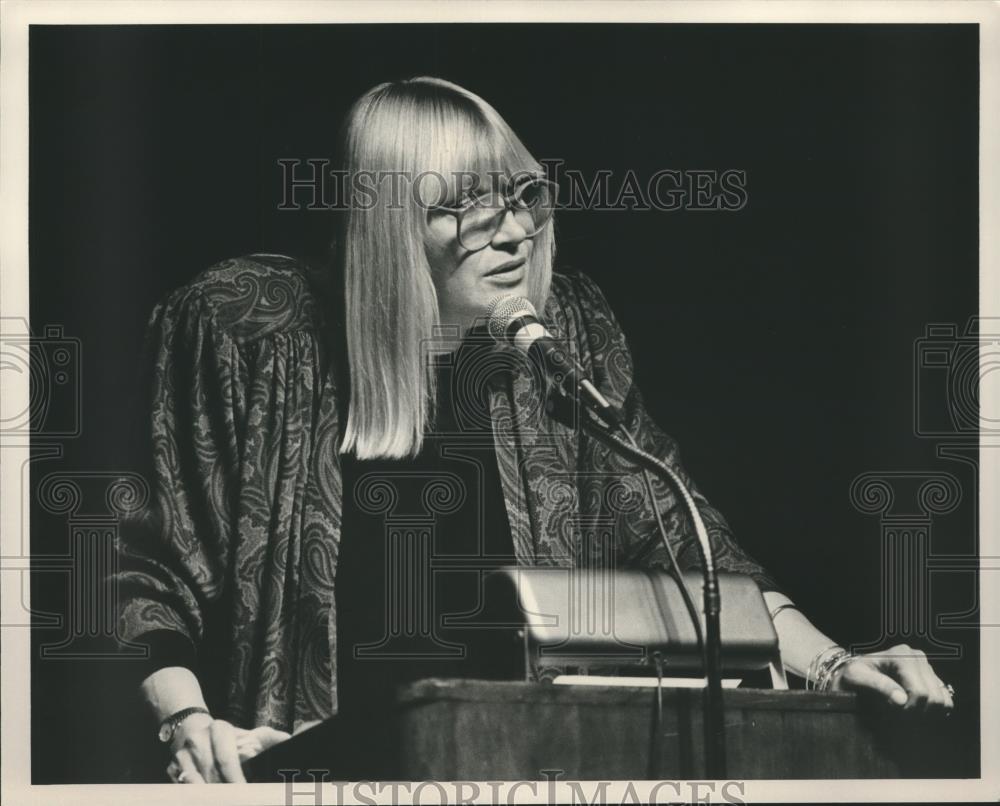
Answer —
467 282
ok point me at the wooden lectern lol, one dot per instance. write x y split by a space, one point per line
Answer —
498 730
552 617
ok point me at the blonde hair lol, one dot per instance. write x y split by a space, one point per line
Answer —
415 128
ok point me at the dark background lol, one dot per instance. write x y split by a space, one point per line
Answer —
787 328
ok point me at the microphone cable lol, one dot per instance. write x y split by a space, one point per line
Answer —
710 649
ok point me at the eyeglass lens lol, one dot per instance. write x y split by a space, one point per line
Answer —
531 204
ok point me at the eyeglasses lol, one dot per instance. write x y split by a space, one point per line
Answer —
479 219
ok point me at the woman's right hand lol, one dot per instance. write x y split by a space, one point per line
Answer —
207 750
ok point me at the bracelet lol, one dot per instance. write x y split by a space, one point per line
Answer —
830 671
824 671
782 606
813 669
819 668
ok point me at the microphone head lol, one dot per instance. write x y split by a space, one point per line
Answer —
503 310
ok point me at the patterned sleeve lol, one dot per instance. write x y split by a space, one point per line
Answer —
174 555
232 562
608 358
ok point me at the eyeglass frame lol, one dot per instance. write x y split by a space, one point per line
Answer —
460 212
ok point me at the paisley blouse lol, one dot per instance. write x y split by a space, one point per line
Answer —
236 553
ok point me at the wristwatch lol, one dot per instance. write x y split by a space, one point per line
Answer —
169 725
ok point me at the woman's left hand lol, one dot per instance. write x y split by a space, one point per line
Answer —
901 675
250 743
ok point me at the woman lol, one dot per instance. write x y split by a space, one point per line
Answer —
289 482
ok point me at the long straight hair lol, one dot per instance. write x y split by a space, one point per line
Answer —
422 127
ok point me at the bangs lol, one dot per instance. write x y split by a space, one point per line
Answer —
460 153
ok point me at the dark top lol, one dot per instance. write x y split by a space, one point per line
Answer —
410 576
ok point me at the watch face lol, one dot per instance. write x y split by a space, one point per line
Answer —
165 732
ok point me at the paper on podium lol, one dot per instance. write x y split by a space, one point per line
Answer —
637 682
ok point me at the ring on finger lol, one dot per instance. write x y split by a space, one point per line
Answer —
949 688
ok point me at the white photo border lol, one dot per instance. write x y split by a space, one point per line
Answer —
15 18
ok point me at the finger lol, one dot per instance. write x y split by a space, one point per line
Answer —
227 760
949 696
256 741
941 689
935 689
907 665
248 749
862 675
199 747
942 698
268 736
187 769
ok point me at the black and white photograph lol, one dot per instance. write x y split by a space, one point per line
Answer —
475 403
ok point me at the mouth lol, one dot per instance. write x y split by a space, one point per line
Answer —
505 268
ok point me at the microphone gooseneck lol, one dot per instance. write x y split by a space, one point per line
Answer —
513 320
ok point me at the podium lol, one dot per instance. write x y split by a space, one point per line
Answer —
477 730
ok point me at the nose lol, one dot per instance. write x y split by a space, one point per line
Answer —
510 231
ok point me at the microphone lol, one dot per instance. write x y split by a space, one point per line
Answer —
514 321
